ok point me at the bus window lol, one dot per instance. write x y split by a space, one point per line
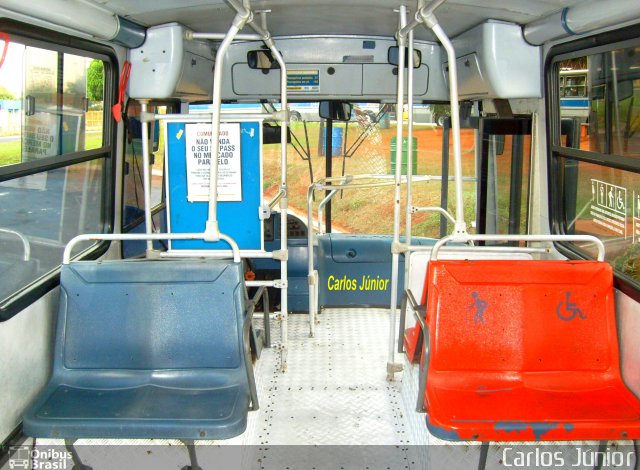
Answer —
602 93
365 145
596 178
53 165
51 104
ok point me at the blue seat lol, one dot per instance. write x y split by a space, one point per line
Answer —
149 349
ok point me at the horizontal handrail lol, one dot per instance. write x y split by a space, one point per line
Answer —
347 180
190 35
66 257
322 205
25 241
276 199
206 117
517 238
437 209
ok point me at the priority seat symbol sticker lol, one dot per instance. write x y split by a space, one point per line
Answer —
567 310
479 305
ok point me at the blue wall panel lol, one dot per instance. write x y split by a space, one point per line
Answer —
240 219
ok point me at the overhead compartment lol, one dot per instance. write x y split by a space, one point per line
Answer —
494 61
169 66
381 79
303 80
354 68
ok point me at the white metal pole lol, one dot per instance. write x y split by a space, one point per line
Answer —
220 36
423 10
432 22
392 367
146 174
25 242
244 10
513 238
212 231
284 201
66 256
311 276
409 199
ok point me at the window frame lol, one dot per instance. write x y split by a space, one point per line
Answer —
39 37
621 38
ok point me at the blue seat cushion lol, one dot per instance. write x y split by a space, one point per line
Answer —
147 349
147 411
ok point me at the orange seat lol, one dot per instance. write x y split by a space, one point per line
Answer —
525 350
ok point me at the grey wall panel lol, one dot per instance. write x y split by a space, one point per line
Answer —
628 314
26 348
378 79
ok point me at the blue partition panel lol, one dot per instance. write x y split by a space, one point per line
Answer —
238 219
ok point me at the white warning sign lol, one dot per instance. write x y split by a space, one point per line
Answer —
609 206
198 140
303 81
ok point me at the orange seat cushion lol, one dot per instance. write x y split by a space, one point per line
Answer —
525 350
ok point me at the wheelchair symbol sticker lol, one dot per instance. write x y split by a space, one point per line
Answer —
567 310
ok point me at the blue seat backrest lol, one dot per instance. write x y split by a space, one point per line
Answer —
150 315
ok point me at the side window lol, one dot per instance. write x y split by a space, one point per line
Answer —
54 161
597 153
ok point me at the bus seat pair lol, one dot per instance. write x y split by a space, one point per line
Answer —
149 349
523 351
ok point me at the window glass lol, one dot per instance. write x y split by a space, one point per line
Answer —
601 93
40 213
604 202
51 103
365 146
508 169
601 199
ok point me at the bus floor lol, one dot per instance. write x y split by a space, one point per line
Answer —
333 409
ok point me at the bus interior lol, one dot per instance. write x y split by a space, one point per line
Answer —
415 244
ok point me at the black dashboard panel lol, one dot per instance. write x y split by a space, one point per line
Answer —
296 228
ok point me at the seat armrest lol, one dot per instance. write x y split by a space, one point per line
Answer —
407 299
424 365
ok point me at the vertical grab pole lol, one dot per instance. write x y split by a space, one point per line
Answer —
311 277
432 23
212 231
284 201
146 176
409 202
392 367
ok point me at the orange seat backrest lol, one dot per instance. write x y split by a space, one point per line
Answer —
521 316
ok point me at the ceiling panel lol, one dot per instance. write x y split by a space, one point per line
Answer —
369 17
